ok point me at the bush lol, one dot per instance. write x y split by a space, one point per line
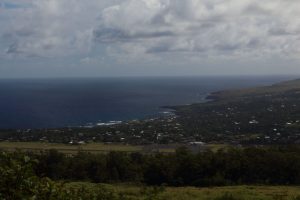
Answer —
18 181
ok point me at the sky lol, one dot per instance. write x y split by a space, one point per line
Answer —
95 38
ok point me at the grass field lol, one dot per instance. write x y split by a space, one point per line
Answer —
213 193
95 147
69 149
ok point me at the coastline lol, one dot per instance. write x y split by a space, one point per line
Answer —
222 116
209 97
231 94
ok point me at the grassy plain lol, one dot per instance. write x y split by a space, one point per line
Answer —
66 148
95 147
213 193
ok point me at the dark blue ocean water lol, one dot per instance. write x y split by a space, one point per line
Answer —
42 103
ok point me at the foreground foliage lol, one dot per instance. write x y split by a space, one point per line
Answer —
20 181
234 166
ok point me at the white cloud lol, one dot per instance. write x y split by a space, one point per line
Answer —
230 28
147 29
92 60
51 27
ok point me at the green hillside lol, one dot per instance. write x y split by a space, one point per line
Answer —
275 89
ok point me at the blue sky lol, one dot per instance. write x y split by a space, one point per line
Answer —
67 38
9 5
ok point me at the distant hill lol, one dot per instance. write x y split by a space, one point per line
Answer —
258 115
275 89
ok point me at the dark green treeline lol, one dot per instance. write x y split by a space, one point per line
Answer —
274 165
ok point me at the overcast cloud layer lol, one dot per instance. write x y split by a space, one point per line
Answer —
164 32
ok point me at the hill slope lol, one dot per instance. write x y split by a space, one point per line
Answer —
275 89
261 115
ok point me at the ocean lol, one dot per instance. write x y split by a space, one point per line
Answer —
64 102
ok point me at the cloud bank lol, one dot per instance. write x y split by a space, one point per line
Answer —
138 29
204 27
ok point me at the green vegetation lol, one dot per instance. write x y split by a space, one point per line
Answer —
233 166
19 181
